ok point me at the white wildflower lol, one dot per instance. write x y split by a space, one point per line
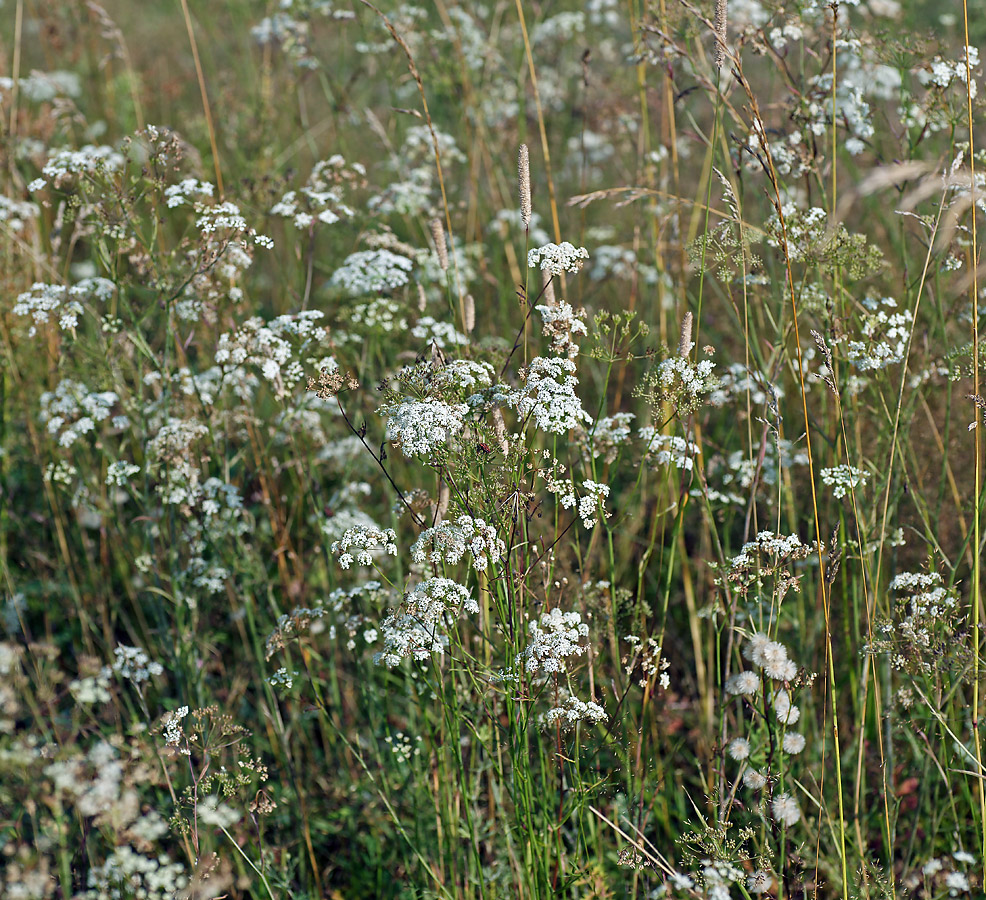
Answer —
561 324
448 542
417 627
548 395
441 334
135 665
119 473
211 811
372 272
556 637
609 434
843 478
776 663
574 711
362 542
592 501
557 258
667 449
420 427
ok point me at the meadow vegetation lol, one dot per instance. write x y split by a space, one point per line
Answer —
501 450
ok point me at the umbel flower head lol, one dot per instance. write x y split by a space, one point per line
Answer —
554 259
422 426
548 395
417 627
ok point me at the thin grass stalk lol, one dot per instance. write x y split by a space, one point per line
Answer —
206 108
977 540
541 126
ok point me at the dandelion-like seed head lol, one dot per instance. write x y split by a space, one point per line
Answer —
743 684
785 810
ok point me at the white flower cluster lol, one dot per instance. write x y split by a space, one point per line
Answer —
72 410
301 618
683 383
129 873
15 214
135 665
321 199
463 375
667 449
943 871
46 303
362 542
770 544
403 748
556 637
382 315
549 395
944 72
222 258
280 348
742 470
561 324
211 811
65 163
417 627
507 220
590 503
620 262
930 609
420 427
176 195
885 336
738 381
771 657
119 473
92 688
448 542
442 334
805 230
42 87
844 478
759 882
172 448
610 433
174 734
557 258
574 711
93 781
717 876
225 220
372 272
743 684
851 108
